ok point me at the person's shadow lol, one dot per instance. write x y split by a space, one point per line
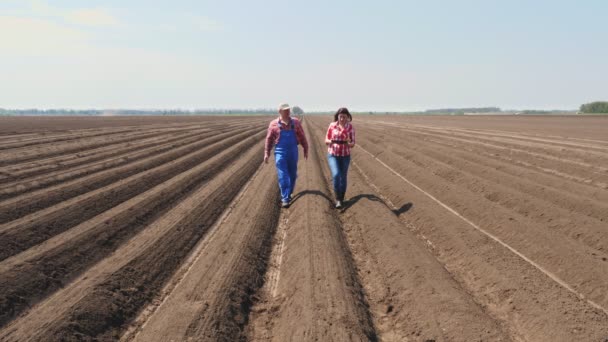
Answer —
350 202
311 192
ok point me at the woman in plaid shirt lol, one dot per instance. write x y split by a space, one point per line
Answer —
340 139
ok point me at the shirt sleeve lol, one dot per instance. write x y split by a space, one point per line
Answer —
301 136
270 139
329 131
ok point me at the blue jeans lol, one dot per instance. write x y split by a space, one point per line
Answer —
286 161
339 170
287 171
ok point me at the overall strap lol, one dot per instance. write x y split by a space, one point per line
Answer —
281 126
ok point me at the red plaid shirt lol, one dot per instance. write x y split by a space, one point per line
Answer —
336 133
272 136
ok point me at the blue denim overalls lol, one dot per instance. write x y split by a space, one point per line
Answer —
286 160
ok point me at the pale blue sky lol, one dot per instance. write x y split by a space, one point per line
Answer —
367 55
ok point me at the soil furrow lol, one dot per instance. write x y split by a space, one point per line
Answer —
584 268
30 230
21 170
20 156
587 127
102 302
574 181
580 161
567 163
553 210
84 135
468 228
318 286
30 276
31 180
61 138
573 177
412 296
28 169
32 202
551 142
114 158
544 172
213 299
48 125
511 289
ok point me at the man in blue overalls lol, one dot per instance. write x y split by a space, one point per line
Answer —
284 134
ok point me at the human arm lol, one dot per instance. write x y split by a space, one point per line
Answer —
302 138
351 137
270 140
328 135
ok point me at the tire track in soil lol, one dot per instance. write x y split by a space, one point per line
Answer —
571 171
581 219
317 295
162 165
100 303
213 299
572 177
587 165
411 295
569 255
545 180
559 164
28 277
528 301
560 142
545 145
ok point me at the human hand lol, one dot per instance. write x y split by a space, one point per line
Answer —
327 141
266 159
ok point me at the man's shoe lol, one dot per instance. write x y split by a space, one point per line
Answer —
285 204
338 204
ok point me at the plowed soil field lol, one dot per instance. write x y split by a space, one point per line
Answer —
169 229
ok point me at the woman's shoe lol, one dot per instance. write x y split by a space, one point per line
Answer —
338 204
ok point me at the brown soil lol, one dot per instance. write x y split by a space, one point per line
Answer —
168 228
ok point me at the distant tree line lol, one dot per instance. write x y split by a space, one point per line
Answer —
594 107
547 112
74 112
34 111
463 110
